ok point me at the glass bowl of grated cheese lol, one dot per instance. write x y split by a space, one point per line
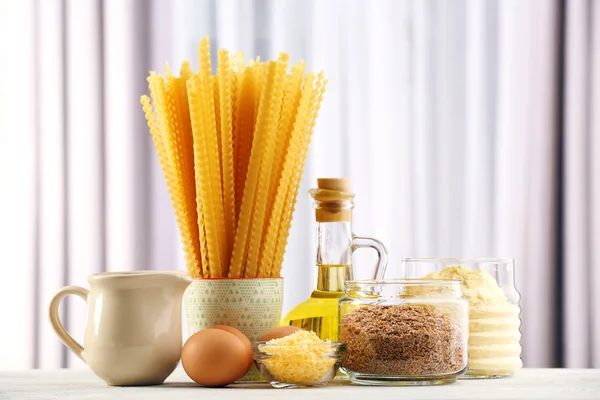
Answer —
298 360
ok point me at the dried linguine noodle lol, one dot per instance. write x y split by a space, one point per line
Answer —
232 147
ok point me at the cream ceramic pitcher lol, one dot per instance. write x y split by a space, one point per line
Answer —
133 334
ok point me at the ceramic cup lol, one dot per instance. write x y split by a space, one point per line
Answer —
251 305
133 334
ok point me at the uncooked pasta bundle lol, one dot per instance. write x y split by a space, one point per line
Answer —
232 147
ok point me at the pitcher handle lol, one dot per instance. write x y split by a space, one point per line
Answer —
361 242
60 330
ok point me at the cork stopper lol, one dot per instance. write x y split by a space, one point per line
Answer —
337 184
334 201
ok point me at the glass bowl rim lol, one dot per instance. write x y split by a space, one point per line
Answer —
466 260
335 351
331 345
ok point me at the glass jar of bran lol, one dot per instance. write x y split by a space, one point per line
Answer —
488 284
404 332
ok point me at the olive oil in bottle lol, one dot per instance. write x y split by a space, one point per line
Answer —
335 244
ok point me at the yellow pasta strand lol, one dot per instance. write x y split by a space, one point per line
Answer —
247 234
239 61
259 76
181 137
203 240
266 130
232 148
182 133
186 70
170 127
282 173
215 93
181 204
201 168
303 126
159 95
205 177
212 143
236 93
178 88
249 189
321 84
291 100
292 163
190 251
245 121
289 108
222 223
244 134
225 77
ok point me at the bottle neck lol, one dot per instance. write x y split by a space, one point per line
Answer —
334 255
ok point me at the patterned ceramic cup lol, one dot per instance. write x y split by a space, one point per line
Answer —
251 305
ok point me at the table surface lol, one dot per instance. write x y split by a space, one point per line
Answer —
527 384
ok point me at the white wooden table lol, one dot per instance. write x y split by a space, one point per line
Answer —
528 384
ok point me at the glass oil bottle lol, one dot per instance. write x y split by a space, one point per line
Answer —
335 245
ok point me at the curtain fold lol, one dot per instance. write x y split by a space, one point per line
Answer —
445 116
19 161
52 196
380 197
526 165
85 161
127 148
581 178
480 100
594 149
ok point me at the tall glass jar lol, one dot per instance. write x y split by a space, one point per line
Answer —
404 332
489 286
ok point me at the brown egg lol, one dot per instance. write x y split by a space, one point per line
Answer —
279 332
214 357
240 336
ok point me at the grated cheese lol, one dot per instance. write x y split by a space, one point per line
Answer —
301 357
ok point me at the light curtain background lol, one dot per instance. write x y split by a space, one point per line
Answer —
464 129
